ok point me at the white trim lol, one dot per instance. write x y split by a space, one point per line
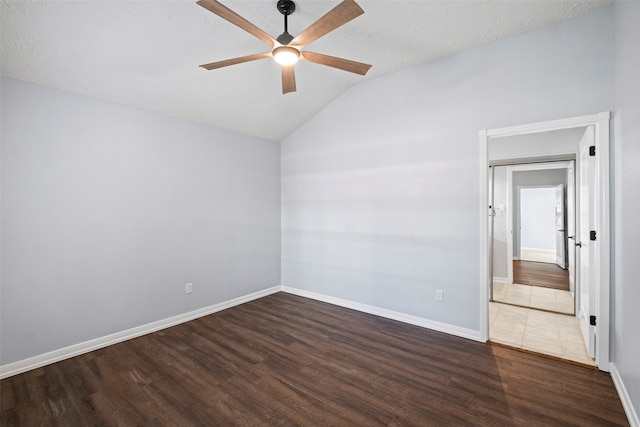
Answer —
484 237
601 123
551 158
572 122
389 314
561 164
603 239
501 279
627 404
97 343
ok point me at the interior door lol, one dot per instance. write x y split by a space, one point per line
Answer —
587 220
571 228
561 234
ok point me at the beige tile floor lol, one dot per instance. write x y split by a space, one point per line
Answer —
540 331
534 297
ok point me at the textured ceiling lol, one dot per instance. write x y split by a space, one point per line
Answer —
146 53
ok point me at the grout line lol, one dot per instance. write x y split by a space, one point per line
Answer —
553 317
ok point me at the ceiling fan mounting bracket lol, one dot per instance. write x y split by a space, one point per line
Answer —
286 7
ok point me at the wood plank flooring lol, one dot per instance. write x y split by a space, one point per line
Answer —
540 274
287 360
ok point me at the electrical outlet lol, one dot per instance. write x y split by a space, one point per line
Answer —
188 288
439 294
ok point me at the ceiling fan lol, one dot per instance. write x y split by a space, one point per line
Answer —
287 49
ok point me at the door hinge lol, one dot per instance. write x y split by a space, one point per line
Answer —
592 235
592 150
592 320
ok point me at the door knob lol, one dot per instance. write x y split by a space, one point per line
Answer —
579 244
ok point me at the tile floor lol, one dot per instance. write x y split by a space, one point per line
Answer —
540 331
533 296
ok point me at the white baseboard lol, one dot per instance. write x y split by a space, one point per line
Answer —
389 314
95 344
538 255
501 279
632 415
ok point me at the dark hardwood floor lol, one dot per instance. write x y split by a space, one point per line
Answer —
286 360
540 274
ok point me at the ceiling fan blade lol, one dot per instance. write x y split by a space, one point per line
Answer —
228 14
233 61
335 62
288 79
336 17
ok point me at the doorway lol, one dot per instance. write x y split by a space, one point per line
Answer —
578 138
541 219
532 213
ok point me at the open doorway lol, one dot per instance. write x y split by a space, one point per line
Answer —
541 210
587 256
532 215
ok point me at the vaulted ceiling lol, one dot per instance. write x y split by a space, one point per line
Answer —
146 53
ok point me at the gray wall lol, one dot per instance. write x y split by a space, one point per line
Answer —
380 191
626 197
107 211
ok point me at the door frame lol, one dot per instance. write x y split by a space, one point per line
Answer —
522 167
600 121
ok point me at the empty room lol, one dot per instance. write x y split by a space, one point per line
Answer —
317 212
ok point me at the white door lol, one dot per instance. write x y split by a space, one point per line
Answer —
587 221
561 235
571 228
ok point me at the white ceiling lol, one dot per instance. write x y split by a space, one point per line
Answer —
146 53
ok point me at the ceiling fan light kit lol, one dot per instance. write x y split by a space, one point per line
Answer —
285 55
286 49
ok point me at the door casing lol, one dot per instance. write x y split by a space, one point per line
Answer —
600 121
569 165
